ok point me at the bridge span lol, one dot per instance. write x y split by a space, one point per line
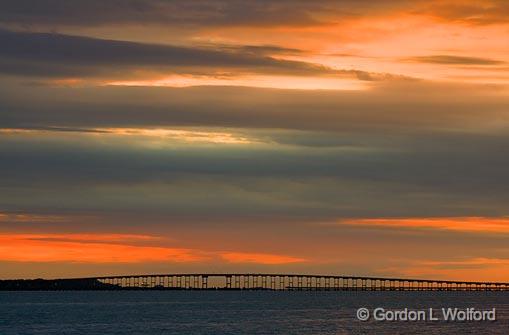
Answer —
288 282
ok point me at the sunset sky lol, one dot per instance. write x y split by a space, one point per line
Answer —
346 137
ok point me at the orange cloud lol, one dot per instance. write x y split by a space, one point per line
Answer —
240 257
463 224
87 238
88 248
114 248
380 41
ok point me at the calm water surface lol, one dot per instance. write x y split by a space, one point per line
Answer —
237 312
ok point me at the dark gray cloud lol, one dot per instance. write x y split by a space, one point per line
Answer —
197 13
56 55
183 12
396 150
425 159
62 55
258 50
417 176
455 60
400 108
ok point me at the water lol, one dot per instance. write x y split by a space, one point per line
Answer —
237 312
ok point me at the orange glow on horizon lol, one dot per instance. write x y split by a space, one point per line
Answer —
462 224
239 257
473 269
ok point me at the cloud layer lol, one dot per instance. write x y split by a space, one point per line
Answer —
56 55
236 12
350 137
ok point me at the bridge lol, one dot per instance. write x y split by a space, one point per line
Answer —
291 282
250 281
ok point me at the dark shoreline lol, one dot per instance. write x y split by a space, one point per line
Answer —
93 285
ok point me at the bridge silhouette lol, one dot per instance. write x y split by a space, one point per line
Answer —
250 281
290 282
